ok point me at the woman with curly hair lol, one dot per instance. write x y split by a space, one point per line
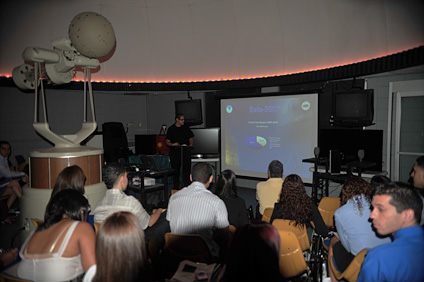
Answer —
294 204
354 230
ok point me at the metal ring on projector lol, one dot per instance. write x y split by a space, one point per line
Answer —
23 76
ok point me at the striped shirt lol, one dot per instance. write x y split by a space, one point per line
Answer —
195 208
115 201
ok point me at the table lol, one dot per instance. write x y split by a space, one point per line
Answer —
143 190
319 188
321 177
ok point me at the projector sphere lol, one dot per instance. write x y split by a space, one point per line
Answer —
91 34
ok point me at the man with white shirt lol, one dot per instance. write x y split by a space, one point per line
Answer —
115 200
196 210
9 185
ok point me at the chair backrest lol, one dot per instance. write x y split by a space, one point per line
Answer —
300 232
292 262
37 222
20 162
267 214
188 246
6 278
96 227
352 271
327 206
232 229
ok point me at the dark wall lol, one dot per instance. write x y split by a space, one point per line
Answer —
212 110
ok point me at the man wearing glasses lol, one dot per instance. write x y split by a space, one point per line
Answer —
179 138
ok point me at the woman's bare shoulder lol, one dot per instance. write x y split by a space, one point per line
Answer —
84 227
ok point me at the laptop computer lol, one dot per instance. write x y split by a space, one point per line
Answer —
150 164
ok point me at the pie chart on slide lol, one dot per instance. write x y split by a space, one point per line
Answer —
256 142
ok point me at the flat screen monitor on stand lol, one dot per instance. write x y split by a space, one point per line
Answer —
206 143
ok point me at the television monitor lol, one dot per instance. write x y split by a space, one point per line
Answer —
257 130
191 109
349 141
206 143
353 108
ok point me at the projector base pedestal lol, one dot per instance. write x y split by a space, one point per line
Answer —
45 166
34 201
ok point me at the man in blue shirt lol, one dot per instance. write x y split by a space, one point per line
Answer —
396 211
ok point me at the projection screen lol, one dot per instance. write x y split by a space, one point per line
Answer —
255 131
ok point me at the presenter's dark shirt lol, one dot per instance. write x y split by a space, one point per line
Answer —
180 134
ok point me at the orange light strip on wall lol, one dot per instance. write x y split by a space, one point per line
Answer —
8 75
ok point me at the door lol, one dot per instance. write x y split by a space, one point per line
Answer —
408 132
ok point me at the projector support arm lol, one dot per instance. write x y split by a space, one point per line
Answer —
43 128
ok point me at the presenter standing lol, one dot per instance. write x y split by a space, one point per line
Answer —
179 138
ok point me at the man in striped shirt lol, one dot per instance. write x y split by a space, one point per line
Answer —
196 210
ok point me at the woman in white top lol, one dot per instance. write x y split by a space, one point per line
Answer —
120 250
62 248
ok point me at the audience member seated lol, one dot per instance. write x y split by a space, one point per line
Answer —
63 247
120 250
196 210
71 177
417 176
354 230
115 200
378 180
7 258
226 189
267 191
9 184
294 204
253 254
397 212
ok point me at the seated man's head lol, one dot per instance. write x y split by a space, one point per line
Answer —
115 175
4 149
202 172
395 206
417 173
379 180
275 169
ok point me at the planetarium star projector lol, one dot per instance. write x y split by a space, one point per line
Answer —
91 36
